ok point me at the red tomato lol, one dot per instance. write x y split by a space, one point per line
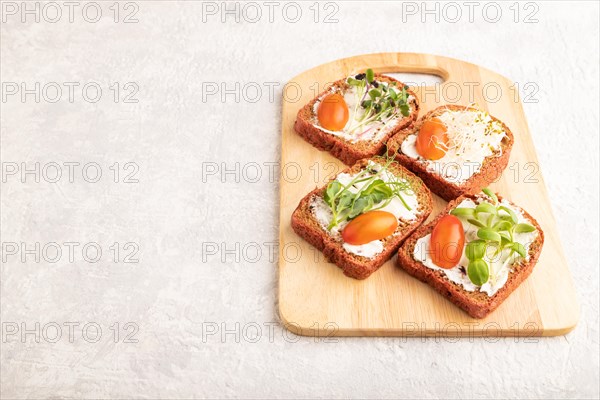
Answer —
333 112
432 140
447 242
372 225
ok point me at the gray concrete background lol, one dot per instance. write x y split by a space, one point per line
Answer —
195 321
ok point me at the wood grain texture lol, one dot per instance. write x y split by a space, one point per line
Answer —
315 298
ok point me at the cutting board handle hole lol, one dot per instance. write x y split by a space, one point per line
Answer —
415 79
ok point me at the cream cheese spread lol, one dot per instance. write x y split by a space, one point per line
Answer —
473 136
322 212
373 131
500 265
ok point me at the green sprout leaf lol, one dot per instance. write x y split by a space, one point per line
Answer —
463 212
475 249
502 226
476 222
511 213
505 238
519 248
404 110
486 208
359 205
374 94
505 217
488 234
370 75
524 228
332 190
478 272
491 195
345 200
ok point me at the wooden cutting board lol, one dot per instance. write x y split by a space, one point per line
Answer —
315 298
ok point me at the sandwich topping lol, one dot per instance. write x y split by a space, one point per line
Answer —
478 243
362 209
455 144
366 110
333 113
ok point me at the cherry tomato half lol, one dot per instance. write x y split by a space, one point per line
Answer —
447 242
333 112
372 225
432 140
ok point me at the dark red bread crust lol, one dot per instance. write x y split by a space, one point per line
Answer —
490 171
349 153
476 304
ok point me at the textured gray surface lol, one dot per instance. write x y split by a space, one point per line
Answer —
171 295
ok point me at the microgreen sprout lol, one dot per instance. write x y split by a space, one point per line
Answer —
379 100
496 225
367 191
